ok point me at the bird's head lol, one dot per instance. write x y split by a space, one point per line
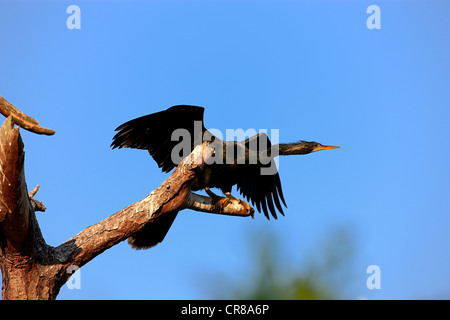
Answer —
302 147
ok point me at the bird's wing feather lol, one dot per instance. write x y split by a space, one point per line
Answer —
153 132
264 191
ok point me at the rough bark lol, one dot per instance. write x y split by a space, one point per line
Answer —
21 119
31 269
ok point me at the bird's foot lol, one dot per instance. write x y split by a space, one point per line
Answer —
230 196
220 202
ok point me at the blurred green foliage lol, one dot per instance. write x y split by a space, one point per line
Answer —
325 274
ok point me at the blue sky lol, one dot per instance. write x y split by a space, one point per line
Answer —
311 69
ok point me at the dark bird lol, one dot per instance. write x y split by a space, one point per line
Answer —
248 164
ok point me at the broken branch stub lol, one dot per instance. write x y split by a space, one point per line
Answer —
21 119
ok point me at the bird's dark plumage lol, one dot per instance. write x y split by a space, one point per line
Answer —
153 132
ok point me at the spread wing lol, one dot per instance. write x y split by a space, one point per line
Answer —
260 182
153 132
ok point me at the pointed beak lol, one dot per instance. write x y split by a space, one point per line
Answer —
318 148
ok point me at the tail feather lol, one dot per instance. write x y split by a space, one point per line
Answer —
153 232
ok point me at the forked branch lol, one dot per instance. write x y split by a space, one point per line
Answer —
31 269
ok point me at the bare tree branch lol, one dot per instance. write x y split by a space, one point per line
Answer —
233 207
36 204
21 119
171 196
31 269
33 192
14 204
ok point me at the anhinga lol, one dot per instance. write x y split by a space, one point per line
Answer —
153 132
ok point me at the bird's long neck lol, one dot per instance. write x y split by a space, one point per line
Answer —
286 149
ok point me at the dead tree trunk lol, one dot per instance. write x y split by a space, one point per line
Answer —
31 269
